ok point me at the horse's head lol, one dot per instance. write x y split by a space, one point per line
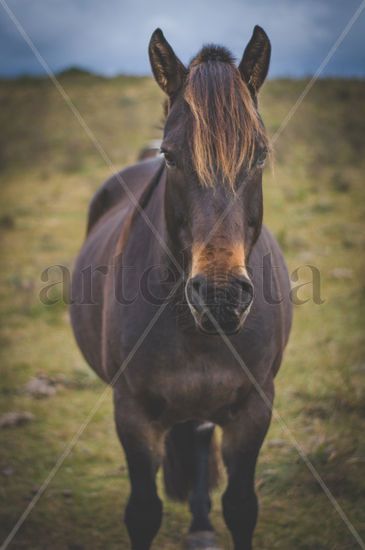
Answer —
214 147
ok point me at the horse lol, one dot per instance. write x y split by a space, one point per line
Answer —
172 304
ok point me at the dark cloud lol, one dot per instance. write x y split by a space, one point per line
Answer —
111 37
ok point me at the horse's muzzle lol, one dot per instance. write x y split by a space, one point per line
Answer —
219 307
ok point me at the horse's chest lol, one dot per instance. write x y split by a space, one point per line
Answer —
204 391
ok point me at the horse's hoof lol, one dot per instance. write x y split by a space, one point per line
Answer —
201 540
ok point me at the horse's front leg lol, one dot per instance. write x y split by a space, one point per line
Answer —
143 442
242 440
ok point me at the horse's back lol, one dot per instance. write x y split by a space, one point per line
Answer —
121 188
110 209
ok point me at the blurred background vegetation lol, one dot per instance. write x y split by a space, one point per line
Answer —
314 202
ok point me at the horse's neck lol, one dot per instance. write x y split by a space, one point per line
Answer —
163 251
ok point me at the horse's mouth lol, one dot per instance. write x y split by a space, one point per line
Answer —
207 324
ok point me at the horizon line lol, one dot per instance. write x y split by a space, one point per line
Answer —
83 71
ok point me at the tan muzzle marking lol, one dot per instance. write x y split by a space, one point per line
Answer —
218 257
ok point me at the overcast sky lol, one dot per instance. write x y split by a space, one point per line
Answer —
111 36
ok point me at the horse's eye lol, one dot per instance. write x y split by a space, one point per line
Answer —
169 158
261 159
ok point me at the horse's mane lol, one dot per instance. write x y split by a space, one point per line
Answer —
225 122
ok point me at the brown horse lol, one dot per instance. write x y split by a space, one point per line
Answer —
173 302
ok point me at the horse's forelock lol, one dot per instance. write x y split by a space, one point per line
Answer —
225 122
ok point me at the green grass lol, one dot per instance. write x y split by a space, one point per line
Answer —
313 203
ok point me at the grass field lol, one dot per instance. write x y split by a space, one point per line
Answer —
314 202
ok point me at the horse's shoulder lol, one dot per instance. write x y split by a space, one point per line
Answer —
132 180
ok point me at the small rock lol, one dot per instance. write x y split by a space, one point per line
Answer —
40 387
13 419
7 471
341 273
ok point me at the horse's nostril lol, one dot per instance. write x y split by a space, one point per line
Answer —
197 283
196 290
246 290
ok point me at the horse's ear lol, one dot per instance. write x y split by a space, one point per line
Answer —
255 61
167 68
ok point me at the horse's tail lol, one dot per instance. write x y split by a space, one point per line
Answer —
183 444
